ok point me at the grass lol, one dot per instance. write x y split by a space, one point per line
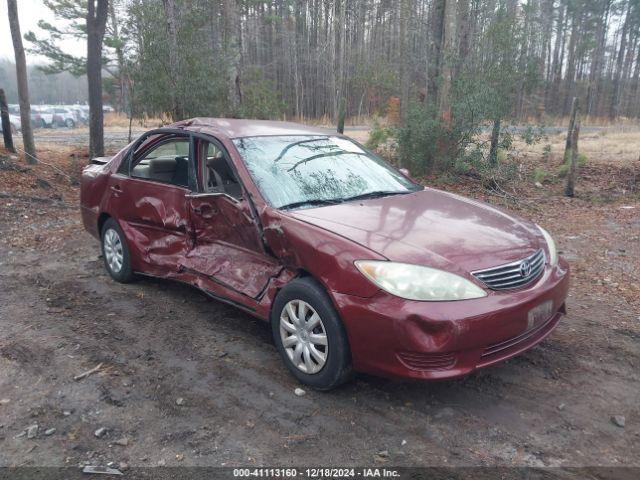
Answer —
602 147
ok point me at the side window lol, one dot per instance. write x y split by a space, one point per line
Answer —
216 174
167 163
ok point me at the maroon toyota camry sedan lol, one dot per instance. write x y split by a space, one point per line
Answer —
355 266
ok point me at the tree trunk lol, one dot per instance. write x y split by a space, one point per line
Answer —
623 103
495 136
122 68
635 103
571 61
615 95
6 123
172 33
339 30
448 40
597 60
341 115
96 23
551 93
464 34
434 63
405 74
23 86
234 55
573 136
572 122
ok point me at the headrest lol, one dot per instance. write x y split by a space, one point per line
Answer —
216 162
162 165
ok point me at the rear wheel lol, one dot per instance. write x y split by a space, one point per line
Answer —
115 252
69 123
310 336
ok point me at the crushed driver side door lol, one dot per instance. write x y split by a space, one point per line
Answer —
227 249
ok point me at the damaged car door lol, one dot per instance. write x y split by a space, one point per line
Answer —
227 246
149 193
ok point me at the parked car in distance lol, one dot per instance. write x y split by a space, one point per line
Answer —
63 117
81 116
355 266
16 123
41 117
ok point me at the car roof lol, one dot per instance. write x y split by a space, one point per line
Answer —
236 128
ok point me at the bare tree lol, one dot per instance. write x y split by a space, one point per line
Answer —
23 85
614 108
571 152
97 13
6 123
405 65
308 56
172 31
446 71
234 54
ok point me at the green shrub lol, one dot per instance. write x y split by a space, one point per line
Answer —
533 134
378 136
582 159
502 155
563 170
425 144
539 175
493 177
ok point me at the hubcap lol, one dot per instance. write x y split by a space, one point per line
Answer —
303 336
113 250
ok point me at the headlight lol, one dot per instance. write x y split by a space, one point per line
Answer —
415 282
551 245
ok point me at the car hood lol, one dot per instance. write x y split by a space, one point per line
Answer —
431 228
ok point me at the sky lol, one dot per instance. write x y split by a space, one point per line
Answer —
30 12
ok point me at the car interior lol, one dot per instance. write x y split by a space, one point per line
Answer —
166 163
215 172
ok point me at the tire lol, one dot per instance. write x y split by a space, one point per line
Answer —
69 123
336 367
114 248
43 124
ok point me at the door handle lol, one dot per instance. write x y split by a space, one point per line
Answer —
116 188
205 211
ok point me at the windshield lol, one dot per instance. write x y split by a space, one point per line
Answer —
307 171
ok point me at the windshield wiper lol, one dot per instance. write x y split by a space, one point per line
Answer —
313 201
377 194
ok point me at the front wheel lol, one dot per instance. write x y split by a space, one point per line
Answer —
310 336
69 123
116 256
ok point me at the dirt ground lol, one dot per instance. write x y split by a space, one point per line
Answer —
184 380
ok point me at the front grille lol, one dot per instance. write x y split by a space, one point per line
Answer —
530 337
427 361
512 275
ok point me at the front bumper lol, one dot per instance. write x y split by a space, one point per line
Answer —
393 337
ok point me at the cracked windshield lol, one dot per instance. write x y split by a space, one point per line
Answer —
307 171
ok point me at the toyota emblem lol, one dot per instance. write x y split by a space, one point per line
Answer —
525 269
